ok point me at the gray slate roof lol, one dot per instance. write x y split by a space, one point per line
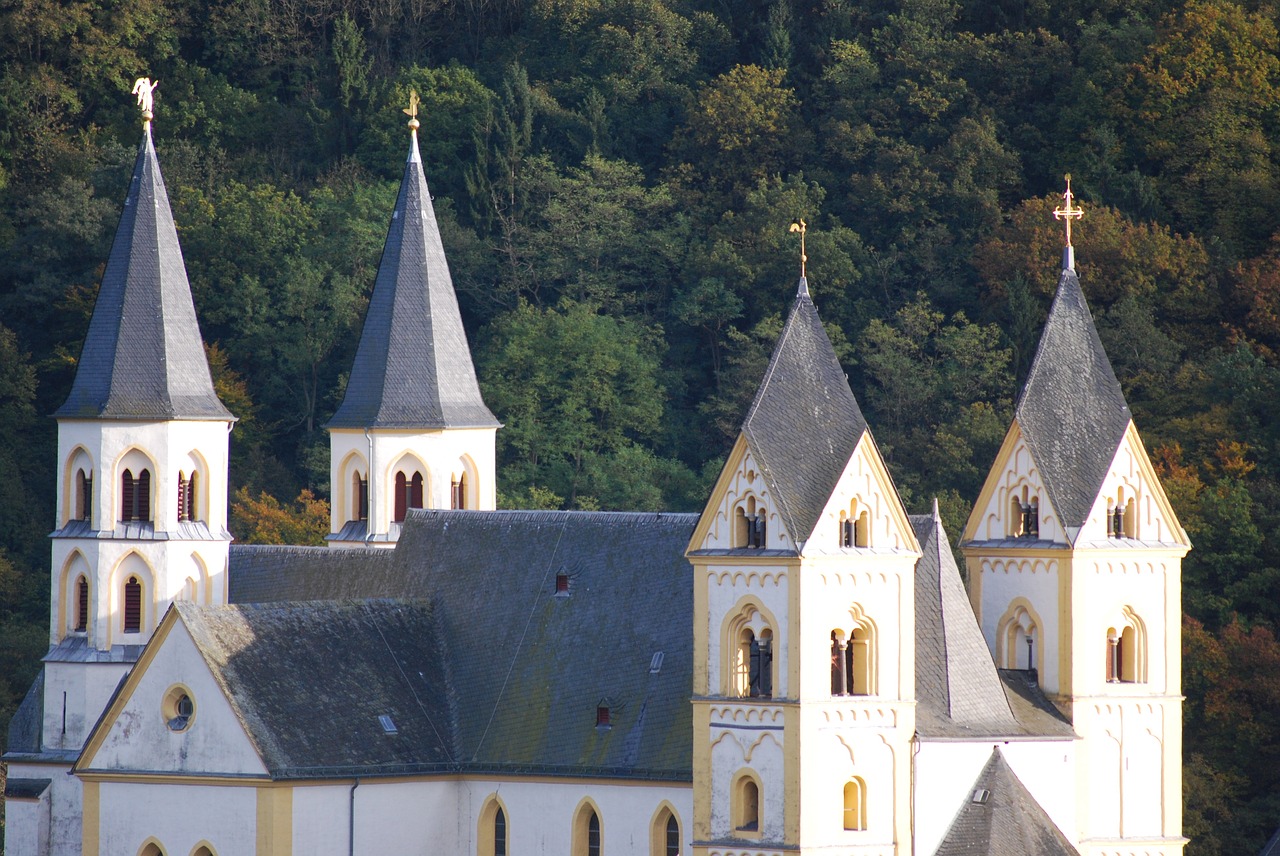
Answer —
1072 410
143 357
804 423
413 365
26 728
523 669
25 789
310 680
1009 823
958 692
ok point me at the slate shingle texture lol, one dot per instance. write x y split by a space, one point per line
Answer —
143 357
525 670
804 422
1072 411
1008 823
413 365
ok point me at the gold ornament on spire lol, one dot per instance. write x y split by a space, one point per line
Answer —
801 227
1066 212
143 87
412 110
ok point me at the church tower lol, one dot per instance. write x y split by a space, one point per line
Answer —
141 494
412 430
804 628
1074 556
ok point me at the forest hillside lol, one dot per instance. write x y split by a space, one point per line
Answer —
614 181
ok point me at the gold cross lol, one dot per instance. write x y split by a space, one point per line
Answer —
412 111
1066 212
801 227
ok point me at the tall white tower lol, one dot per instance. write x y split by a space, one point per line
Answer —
1075 557
141 503
412 430
804 624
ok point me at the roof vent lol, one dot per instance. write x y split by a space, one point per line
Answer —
655 665
980 796
388 725
562 583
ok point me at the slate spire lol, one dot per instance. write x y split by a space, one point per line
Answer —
1072 411
143 357
804 422
413 366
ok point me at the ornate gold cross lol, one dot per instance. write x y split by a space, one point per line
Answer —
1066 212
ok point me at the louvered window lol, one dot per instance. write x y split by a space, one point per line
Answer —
82 605
127 492
415 491
364 499
182 497
133 605
190 509
142 496
402 497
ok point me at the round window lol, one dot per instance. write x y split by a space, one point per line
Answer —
178 708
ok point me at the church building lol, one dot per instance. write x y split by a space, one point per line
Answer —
799 669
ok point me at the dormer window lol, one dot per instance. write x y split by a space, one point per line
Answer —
135 496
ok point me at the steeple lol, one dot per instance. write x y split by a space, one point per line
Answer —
1072 411
804 423
413 365
142 357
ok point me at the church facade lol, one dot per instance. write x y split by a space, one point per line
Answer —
799 668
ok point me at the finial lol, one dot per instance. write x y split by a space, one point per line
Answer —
1067 213
412 111
143 87
801 227
936 515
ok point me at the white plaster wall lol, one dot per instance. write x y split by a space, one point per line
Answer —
841 740
1127 760
139 738
946 773
861 482
1127 473
26 825
994 520
746 482
736 746
439 451
1108 584
727 587
168 445
87 688
837 591
178 816
1035 579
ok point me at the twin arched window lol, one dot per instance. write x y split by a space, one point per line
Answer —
1127 651
408 494
1024 515
1122 516
855 526
135 496
750 520
852 664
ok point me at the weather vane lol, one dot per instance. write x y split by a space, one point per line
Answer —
143 87
1067 212
801 227
412 110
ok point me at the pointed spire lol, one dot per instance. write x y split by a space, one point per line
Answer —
957 687
1072 411
805 422
143 357
413 366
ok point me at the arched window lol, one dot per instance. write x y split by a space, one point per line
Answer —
1127 650
151 848
746 804
135 496
458 492
132 605
588 836
359 496
82 604
1020 641
748 650
493 839
853 666
749 524
839 664
1122 516
1024 515
203 850
855 804
186 497
84 496
855 526
408 494
664 832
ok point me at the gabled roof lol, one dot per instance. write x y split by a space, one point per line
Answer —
804 423
1007 822
1072 411
413 365
524 670
143 357
958 692
308 683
